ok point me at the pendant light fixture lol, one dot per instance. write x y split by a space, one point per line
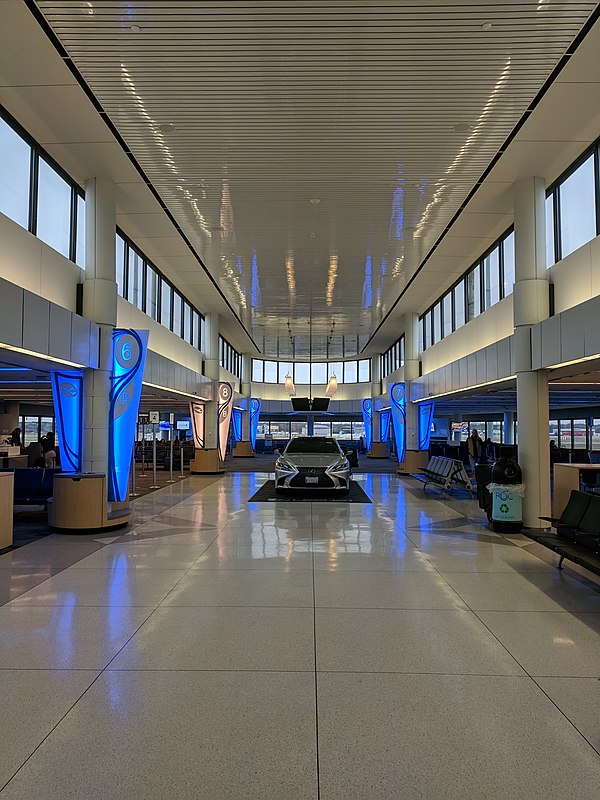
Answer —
289 385
332 386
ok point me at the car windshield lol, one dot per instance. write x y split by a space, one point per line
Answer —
312 445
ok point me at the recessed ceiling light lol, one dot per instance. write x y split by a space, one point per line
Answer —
315 201
312 235
487 26
135 29
166 128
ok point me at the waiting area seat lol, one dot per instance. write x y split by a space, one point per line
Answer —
577 536
448 473
33 486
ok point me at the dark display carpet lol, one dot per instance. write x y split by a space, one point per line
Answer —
267 494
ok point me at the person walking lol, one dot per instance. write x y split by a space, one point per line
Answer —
474 445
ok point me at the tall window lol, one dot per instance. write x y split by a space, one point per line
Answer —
491 278
80 239
550 246
135 279
577 208
15 165
151 292
447 312
508 258
54 209
474 293
165 304
459 305
120 263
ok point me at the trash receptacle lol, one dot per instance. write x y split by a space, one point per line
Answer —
483 477
507 490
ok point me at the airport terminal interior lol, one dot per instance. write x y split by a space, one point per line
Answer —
300 399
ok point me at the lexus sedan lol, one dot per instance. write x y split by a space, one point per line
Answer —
312 462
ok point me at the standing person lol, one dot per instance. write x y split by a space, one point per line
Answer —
15 437
48 449
474 444
489 451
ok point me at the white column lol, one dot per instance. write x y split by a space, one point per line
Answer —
100 306
247 392
411 372
531 305
211 370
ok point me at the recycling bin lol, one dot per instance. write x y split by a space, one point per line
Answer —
507 489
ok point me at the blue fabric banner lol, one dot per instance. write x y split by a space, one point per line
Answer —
129 359
425 419
385 417
367 415
254 410
224 409
236 421
398 403
67 393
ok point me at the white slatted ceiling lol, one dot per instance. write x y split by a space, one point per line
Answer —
362 105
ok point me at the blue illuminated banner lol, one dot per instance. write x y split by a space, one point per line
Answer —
367 415
224 409
385 418
254 411
67 393
425 419
398 403
236 423
129 359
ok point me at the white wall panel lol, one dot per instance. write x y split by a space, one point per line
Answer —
28 262
60 332
11 314
572 279
549 334
571 339
36 322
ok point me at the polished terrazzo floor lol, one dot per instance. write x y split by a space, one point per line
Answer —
221 649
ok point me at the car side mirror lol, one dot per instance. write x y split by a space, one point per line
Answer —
276 453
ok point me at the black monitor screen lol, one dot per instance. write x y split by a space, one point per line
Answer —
320 403
300 403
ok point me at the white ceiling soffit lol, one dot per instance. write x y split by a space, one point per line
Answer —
314 152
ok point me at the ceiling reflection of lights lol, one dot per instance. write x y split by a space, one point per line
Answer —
289 385
333 268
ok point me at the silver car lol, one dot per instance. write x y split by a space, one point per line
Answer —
312 462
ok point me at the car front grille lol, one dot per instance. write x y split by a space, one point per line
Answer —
323 482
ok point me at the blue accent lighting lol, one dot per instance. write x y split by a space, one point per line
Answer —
129 359
425 419
398 403
67 393
367 415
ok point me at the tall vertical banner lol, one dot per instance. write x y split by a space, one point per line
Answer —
67 393
224 409
426 410
385 417
129 359
398 403
367 415
254 411
236 423
197 415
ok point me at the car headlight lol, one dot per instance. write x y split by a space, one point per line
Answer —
341 464
281 463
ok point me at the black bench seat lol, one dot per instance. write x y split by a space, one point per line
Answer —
577 536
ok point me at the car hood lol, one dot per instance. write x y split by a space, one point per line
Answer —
312 459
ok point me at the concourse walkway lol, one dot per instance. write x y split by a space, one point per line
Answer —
226 649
